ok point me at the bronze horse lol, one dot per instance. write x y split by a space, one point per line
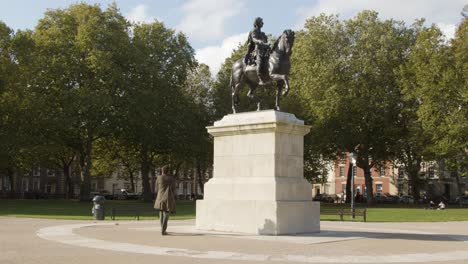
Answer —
279 65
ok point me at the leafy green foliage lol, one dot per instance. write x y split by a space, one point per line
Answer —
345 73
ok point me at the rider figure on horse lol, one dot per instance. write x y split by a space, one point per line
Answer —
258 51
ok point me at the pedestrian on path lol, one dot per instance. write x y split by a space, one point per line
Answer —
165 200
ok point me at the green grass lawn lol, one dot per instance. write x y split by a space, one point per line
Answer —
67 209
401 213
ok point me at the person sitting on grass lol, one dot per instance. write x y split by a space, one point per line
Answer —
431 205
441 205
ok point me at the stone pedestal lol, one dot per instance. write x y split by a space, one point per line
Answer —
258 185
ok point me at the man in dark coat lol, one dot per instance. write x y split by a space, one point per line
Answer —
165 200
258 50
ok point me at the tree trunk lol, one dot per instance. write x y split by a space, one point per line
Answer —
459 188
369 187
70 193
413 169
153 182
11 178
415 182
85 164
145 169
132 180
348 183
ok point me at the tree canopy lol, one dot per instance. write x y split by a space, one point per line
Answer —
88 86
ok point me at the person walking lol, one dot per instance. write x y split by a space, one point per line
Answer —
165 200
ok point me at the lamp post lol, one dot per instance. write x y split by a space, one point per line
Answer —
352 157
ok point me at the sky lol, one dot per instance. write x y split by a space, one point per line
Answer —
216 27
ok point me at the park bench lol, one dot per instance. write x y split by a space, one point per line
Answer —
129 212
343 212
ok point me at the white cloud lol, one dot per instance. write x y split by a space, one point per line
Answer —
139 15
214 56
447 29
204 19
443 13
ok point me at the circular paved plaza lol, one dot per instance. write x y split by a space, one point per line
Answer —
59 241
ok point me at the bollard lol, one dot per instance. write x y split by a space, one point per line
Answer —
98 207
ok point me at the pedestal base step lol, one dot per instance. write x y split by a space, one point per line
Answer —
258 217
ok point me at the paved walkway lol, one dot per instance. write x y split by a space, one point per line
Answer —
59 241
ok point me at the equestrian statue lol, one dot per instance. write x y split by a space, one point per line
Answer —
262 64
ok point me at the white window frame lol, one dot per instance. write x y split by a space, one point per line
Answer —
377 190
340 170
50 173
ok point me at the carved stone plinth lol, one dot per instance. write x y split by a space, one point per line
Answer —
258 185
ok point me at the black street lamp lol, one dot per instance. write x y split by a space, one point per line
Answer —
352 157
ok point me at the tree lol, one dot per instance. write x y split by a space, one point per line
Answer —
345 72
9 145
18 112
82 55
427 50
199 88
153 107
437 82
112 156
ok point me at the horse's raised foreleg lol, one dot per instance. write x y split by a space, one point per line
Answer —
279 87
284 78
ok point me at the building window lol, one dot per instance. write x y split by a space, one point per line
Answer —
50 173
430 172
50 188
326 188
401 173
378 188
341 171
36 184
180 189
25 184
382 171
6 184
317 191
185 188
342 156
343 187
358 189
37 171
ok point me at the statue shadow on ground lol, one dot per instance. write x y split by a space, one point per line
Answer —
342 234
269 226
383 235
